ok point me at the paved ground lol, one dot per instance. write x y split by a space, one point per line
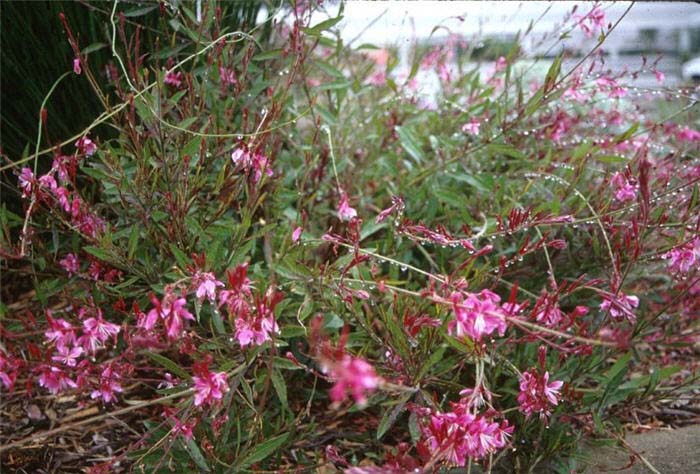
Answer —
669 452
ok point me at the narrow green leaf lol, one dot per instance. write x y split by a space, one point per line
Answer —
391 415
262 451
280 387
140 11
197 456
169 364
323 26
410 143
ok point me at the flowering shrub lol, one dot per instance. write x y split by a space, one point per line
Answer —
287 233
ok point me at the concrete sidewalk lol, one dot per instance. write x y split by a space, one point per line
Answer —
669 452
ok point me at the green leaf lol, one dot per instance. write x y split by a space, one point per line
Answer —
99 253
626 134
133 241
196 455
434 358
285 364
280 387
611 159
410 143
323 26
169 364
92 48
182 259
336 85
507 150
192 147
271 54
552 73
328 69
390 416
262 451
140 11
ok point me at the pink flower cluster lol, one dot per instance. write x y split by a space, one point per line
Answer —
9 367
206 284
351 375
345 212
172 310
537 393
254 316
173 79
685 258
227 77
252 162
477 315
687 134
547 311
72 351
108 385
624 190
592 21
611 87
459 435
209 386
620 306
50 191
471 127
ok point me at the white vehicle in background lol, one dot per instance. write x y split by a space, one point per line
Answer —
691 70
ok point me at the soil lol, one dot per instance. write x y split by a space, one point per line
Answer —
672 451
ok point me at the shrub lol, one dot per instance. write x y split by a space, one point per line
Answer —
302 261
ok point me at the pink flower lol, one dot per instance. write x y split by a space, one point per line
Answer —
620 306
63 195
459 435
397 205
345 212
354 376
547 311
501 64
227 76
173 79
296 234
377 79
26 181
184 428
255 329
172 310
108 385
206 284
60 331
239 155
595 19
660 76
54 379
67 356
537 394
209 388
96 331
476 397
86 146
477 315
8 370
60 165
472 127
76 66
684 258
255 162
687 134
235 298
624 191
70 264
47 181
